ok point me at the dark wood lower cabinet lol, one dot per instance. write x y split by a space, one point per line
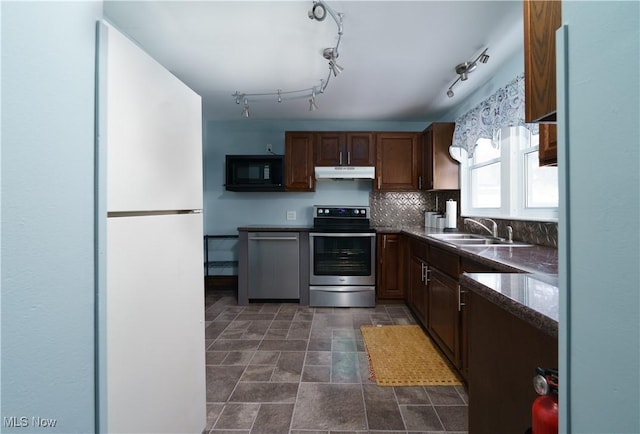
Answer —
444 315
417 297
503 354
390 267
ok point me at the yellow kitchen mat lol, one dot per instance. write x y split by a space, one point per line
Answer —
402 355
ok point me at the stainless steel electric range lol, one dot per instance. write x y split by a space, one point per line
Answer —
342 257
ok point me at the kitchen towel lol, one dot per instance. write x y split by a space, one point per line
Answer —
452 210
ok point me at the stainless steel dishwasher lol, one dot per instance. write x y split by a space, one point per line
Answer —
274 266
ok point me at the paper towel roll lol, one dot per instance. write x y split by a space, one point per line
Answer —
452 209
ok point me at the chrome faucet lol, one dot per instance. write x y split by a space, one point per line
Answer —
509 234
494 228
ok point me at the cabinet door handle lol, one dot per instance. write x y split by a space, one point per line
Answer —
309 181
384 242
425 272
340 158
419 182
379 181
349 158
460 303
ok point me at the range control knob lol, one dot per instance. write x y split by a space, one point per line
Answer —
356 212
326 211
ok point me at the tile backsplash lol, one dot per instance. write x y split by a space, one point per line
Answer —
397 209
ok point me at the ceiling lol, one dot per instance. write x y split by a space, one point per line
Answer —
399 57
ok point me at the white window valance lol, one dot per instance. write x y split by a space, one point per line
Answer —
505 108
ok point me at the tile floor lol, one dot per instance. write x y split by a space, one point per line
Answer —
283 368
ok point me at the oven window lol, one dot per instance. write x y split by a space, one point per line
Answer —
341 256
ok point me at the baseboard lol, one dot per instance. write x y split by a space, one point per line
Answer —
221 282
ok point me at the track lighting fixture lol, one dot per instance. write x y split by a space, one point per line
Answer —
330 55
318 12
245 109
465 68
312 102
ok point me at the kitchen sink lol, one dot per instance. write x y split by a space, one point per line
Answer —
474 240
456 236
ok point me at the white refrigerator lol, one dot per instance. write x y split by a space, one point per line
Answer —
150 298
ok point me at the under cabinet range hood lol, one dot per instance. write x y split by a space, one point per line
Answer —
345 172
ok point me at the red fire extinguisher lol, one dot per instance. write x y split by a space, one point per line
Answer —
544 412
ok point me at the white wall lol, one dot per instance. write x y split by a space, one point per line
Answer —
599 226
47 213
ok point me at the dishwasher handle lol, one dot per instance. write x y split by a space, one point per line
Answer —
273 238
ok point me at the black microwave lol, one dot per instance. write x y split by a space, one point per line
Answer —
254 172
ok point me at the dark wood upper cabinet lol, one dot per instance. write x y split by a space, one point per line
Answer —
548 145
344 149
397 156
439 170
541 20
299 173
330 149
361 149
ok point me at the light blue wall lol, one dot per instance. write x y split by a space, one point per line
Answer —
225 211
47 213
600 234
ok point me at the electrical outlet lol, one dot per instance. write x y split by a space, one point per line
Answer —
269 147
291 215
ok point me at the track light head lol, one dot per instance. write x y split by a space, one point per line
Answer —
484 58
450 93
317 12
335 68
312 101
245 109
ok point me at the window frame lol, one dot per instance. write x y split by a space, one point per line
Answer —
513 187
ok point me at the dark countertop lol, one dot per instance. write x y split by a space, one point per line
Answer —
531 298
533 259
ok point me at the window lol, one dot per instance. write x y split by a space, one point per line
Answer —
484 170
502 178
